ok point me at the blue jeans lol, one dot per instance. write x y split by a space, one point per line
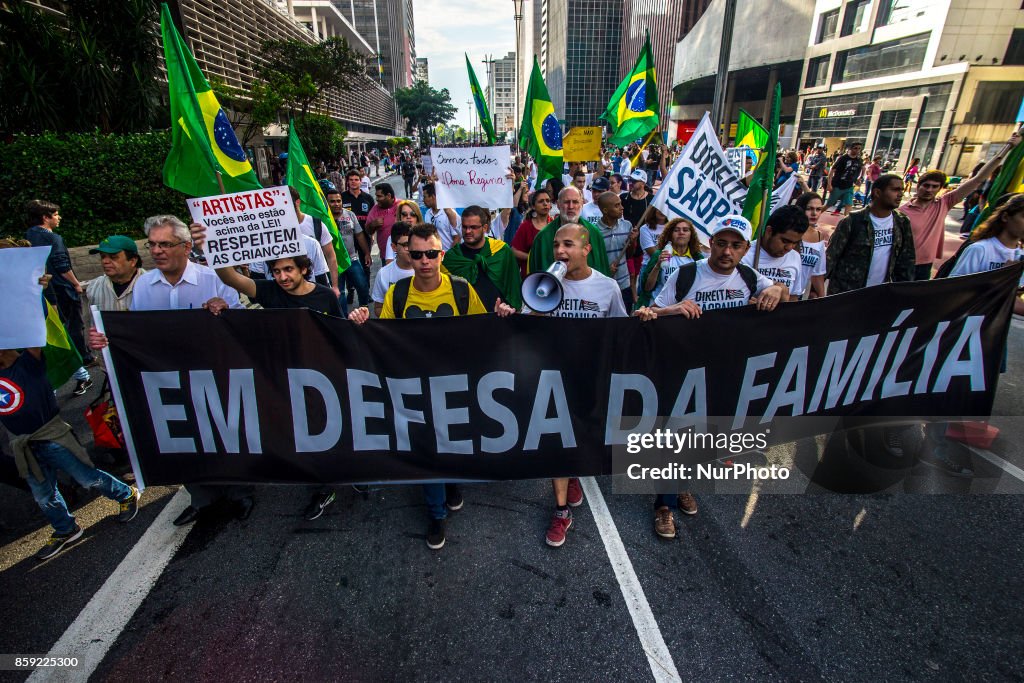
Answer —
51 457
435 495
665 500
355 277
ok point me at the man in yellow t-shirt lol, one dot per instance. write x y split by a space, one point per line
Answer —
431 294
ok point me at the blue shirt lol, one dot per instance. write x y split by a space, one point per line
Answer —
59 260
27 401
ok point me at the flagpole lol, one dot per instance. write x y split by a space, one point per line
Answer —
647 141
762 220
220 181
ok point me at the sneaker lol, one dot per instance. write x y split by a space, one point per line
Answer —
129 508
687 503
950 459
83 386
318 504
453 497
575 496
664 522
560 523
57 543
436 533
894 440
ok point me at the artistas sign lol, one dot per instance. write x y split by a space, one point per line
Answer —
472 175
341 402
255 225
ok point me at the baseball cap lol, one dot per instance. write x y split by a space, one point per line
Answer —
737 224
114 244
600 184
638 175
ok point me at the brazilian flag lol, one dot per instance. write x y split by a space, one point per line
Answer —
750 133
633 111
60 354
763 179
314 202
481 104
540 134
203 143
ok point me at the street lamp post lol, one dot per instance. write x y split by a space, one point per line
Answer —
492 92
518 5
470 107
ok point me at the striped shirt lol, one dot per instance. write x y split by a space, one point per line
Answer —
614 241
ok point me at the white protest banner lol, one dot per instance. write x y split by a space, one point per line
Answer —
781 194
21 306
472 175
244 227
703 184
428 165
743 158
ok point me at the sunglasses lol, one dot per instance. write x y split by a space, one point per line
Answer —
431 254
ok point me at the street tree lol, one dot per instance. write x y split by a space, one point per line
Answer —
424 107
304 74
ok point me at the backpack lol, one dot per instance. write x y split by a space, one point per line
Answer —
688 273
460 292
946 268
318 229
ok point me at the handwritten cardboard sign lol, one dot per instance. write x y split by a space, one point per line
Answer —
472 175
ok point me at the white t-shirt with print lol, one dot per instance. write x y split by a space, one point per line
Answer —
673 263
445 230
318 264
597 296
812 256
649 240
787 269
387 276
307 228
712 291
985 255
879 268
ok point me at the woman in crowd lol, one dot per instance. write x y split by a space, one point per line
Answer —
534 221
812 247
677 245
408 212
652 223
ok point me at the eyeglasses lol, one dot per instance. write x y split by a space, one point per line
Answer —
404 244
164 246
431 254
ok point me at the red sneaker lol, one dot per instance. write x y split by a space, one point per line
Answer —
575 495
559 526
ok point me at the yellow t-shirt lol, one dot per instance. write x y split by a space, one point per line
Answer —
437 304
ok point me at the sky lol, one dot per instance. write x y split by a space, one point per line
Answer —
445 29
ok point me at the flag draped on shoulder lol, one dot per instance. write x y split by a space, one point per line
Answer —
60 354
761 183
633 111
300 176
540 133
496 261
481 104
203 143
750 133
1009 179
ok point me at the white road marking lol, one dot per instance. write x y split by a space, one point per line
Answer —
658 656
1005 466
108 612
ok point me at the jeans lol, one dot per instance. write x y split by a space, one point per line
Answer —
355 277
923 271
665 500
409 185
814 182
435 495
51 457
627 299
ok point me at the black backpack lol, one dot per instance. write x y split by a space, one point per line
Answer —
460 292
946 268
688 273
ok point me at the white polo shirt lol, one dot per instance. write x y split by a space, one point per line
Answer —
198 284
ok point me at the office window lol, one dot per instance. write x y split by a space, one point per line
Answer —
884 59
895 11
827 26
856 17
1015 50
996 102
817 71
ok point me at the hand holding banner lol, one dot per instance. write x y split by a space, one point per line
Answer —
472 175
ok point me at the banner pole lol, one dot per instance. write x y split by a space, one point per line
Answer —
220 181
643 146
761 220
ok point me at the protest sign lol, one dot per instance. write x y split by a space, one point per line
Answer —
582 143
348 403
472 175
255 225
428 165
21 305
743 159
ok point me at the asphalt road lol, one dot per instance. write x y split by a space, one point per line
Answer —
888 586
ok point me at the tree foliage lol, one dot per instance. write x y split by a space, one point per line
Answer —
304 74
94 68
424 107
250 111
322 137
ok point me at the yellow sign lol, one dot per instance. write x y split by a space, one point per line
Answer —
823 113
582 144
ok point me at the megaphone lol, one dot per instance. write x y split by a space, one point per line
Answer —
542 292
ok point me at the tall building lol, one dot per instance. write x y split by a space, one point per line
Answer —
755 66
422 69
528 43
579 55
388 27
938 80
501 92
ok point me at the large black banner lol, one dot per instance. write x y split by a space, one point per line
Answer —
293 396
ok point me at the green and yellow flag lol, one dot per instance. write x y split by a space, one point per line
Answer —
60 354
203 143
1009 179
633 111
300 176
481 104
763 180
750 133
540 133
